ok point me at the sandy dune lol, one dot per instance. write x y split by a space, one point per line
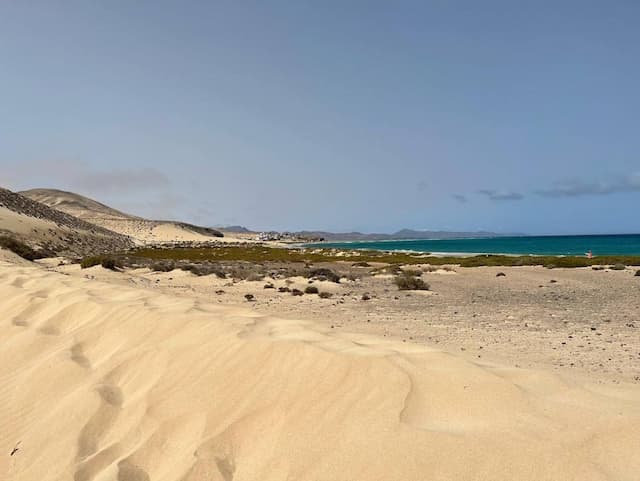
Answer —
138 228
104 382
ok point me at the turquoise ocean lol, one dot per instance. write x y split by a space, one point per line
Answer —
627 244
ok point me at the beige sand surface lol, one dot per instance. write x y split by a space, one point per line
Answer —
586 323
100 381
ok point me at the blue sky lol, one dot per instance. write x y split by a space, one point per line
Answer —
368 115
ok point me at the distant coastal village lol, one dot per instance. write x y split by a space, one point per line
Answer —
285 237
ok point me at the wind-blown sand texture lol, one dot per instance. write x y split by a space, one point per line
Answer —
104 382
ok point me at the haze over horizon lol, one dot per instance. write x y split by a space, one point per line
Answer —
363 116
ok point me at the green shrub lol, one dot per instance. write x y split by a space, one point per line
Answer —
20 248
311 290
204 270
106 262
410 283
109 263
162 267
90 261
618 267
412 272
361 264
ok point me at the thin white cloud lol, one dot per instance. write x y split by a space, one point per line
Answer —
501 194
576 188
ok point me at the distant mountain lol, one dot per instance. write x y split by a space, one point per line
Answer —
404 234
144 230
235 228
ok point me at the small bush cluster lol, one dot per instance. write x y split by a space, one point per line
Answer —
204 270
311 290
296 292
638 273
393 269
361 264
328 295
324 274
412 272
618 267
106 262
163 267
410 283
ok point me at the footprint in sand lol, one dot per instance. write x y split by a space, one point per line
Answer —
127 471
19 282
90 469
49 330
78 356
101 421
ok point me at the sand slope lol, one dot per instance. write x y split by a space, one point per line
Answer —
44 227
101 382
138 228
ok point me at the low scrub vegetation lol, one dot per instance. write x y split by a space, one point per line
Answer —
204 270
406 282
243 259
311 290
412 272
618 267
324 274
104 261
163 267
361 264
21 249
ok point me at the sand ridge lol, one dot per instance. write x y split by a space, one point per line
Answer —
106 382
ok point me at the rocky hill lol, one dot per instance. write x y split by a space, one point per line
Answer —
138 228
57 232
